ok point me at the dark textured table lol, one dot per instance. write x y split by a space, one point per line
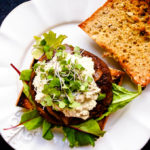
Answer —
5 7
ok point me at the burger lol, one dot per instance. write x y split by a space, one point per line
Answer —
71 88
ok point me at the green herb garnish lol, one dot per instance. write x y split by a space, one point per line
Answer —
26 75
47 133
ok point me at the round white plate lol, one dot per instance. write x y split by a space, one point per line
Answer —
127 129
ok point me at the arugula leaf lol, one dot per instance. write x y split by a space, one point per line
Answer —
29 115
34 123
70 135
121 97
77 138
26 91
26 75
47 133
85 139
91 126
101 96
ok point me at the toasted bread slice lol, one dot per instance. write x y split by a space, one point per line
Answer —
122 27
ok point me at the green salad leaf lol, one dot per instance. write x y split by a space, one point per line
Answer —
25 75
29 115
31 119
47 133
91 126
77 138
121 97
34 123
70 135
85 139
26 91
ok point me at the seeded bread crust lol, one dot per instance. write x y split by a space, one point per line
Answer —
122 28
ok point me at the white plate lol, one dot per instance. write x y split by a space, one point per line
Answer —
127 129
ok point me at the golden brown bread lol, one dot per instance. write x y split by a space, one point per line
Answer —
122 27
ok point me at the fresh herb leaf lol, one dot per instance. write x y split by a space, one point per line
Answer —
62 104
54 83
37 53
48 100
26 91
121 97
29 115
77 138
51 71
46 48
77 50
42 69
91 126
75 85
70 97
52 40
85 139
38 41
59 53
50 77
89 79
70 135
36 65
47 133
42 42
84 86
34 123
42 76
49 54
74 105
101 96
26 75
79 67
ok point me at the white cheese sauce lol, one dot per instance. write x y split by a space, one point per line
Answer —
87 99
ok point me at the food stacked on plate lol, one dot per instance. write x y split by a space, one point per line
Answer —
72 88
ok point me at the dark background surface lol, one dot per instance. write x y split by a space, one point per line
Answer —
5 7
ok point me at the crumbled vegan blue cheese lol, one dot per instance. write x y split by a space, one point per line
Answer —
86 99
